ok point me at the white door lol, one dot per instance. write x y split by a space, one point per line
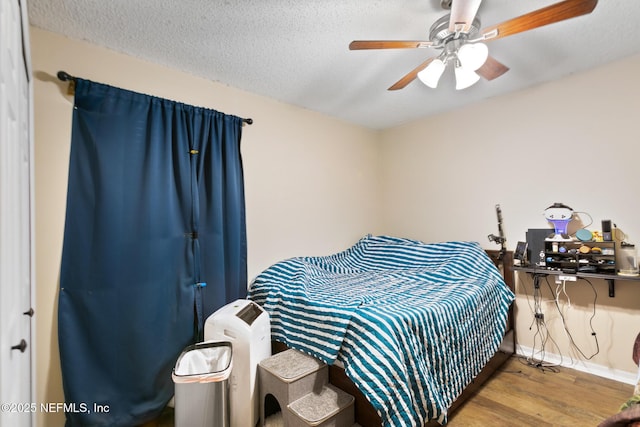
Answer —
16 254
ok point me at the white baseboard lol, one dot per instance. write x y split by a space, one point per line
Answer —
583 366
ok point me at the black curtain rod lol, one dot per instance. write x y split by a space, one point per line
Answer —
66 77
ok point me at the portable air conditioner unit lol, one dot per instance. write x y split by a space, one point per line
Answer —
246 325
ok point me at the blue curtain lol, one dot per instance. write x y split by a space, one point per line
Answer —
154 242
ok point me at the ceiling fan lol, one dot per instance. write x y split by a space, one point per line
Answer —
459 36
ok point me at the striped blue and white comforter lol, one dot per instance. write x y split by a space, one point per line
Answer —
412 323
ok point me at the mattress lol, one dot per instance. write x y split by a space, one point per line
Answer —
412 323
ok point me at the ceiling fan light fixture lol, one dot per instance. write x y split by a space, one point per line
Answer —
465 77
473 55
431 74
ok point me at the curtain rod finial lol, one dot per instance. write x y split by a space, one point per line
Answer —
62 75
65 77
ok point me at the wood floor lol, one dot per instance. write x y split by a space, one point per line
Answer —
522 395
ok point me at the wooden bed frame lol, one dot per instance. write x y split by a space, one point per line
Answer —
366 416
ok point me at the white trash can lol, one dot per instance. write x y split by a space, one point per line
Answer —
201 378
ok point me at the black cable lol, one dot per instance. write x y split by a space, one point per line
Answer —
543 367
564 324
541 330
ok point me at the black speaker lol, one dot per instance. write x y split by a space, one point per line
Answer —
535 245
606 230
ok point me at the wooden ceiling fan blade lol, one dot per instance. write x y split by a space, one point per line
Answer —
547 15
492 69
411 76
389 44
463 12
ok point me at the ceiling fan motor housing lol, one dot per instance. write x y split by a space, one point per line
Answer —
439 33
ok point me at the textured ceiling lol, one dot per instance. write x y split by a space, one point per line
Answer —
297 51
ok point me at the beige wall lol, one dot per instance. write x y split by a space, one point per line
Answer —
311 181
573 141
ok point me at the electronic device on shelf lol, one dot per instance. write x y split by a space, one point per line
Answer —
535 246
520 254
560 216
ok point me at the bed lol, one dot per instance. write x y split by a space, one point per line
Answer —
410 324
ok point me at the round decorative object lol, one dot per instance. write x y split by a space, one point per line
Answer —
584 249
584 235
